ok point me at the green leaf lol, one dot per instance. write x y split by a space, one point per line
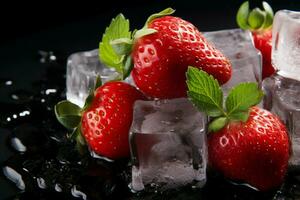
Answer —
241 98
239 116
217 124
205 92
165 12
89 100
118 28
122 46
98 82
144 31
242 16
68 114
269 15
256 18
128 65
76 135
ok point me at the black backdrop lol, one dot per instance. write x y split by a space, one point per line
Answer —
22 18
72 26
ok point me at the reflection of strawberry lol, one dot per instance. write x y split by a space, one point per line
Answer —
260 24
161 53
106 118
245 143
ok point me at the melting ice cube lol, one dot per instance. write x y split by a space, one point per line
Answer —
82 70
168 144
283 89
286 43
283 98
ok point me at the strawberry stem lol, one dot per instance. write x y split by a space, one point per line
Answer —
256 19
165 12
117 41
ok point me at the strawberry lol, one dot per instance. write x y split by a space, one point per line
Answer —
104 121
263 42
160 53
245 143
259 22
255 151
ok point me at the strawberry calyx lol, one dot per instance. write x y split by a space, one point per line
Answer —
117 41
69 115
206 94
256 19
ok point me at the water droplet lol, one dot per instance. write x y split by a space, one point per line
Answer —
95 155
41 183
17 145
77 193
9 82
14 176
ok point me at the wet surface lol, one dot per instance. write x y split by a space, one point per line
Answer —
39 162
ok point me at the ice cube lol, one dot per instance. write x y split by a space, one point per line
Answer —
237 45
168 144
283 98
283 89
286 43
82 70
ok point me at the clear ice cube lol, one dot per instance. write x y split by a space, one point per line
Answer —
286 43
168 144
82 70
282 90
237 45
282 97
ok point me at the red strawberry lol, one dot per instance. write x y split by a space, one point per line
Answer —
256 151
259 22
161 59
245 143
263 42
106 118
161 53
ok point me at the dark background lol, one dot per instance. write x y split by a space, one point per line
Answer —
71 26
21 19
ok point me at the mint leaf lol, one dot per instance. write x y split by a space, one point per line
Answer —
256 18
239 116
79 139
98 82
122 46
205 92
242 16
165 12
241 98
217 124
144 31
68 114
118 28
89 99
128 65
269 15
